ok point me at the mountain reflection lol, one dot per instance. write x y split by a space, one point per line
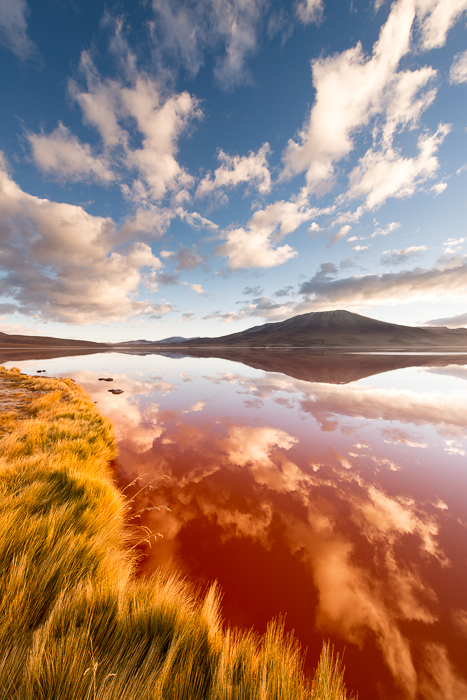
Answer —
341 506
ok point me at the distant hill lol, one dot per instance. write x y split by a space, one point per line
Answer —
337 329
318 330
173 340
23 341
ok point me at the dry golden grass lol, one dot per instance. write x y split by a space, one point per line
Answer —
75 622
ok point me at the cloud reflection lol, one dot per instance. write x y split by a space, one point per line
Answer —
370 555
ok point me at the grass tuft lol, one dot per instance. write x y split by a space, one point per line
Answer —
75 622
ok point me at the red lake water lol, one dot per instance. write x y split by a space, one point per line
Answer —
339 506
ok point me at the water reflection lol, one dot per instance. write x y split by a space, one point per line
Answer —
341 505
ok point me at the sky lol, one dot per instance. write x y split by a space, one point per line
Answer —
175 168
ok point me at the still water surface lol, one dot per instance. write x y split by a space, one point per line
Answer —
340 506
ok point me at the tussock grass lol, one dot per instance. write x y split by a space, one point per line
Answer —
75 622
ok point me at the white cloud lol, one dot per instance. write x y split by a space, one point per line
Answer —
439 187
196 220
351 89
458 72
343 231
108 105
393 226
198 288
150 221
254 246
62 154
163 308
453 245
13 28
383 174
186 32
436 17
235 170
354 90
310 11
60 262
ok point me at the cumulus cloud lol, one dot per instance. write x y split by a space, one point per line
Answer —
13 28
160 310
352 88
436 17
458 72
235 170
253 246
310 11
62 154
107 105
150 221
198 288
356 91
187 31
60 262
398 257
382 174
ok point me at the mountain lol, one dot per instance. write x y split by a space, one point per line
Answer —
23 341
337 329
173 340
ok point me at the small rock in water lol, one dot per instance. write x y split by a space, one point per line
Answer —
115 391
105 379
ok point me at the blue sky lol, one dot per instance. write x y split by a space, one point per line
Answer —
196 168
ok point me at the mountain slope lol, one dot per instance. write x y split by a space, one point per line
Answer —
21 341
337 329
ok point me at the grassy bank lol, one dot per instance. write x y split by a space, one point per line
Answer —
75 622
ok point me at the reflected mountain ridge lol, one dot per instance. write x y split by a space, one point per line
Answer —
307 365
325 367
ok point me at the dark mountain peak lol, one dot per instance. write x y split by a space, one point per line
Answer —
336 328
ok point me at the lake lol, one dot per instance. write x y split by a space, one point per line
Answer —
316 490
